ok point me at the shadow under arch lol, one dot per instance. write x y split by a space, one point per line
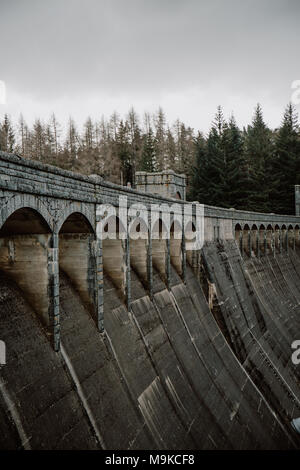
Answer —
139 245
277 238
176 256
160 242
114 242
25 243
262 239
291 237
269 239
25 220
284 236
77 245
237 233
26 202
192 255
254 239
246 242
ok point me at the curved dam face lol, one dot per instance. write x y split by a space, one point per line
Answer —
203 364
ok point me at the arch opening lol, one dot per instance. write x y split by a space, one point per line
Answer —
25 243
246 240
139 240
159 248
114 253
176 246
269 239
290 237
77 246
261 239
193 256
254 239
277 239
284 237
237 233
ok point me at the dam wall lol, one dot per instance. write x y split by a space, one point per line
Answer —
142 344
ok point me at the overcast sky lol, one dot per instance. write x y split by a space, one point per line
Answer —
91 57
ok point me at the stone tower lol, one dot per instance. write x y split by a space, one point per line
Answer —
166 183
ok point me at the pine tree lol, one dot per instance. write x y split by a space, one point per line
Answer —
135 141
7 135
185 154
259 151
38 140
208 184
72 146
216 162
170 151
199 184
148 162
286 164
239 184
160 134
123 153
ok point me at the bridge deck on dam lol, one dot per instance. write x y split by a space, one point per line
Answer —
142 344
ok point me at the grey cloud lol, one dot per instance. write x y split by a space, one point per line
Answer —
76 47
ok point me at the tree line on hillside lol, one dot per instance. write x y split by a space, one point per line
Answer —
254 168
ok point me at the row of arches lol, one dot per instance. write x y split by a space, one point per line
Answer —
146 251
32 254
266 239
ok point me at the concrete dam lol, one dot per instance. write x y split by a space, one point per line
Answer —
143 343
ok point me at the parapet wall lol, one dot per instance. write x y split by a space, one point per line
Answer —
34 196
19 176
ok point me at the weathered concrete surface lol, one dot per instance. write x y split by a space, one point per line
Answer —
77 260
162 376
24 258
260 330
186 358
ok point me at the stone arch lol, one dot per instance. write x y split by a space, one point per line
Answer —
76 222
269 238
25 221
178 195
25 254
138 229
73 208
290 237
159 229
176 256
237 232
238 236
284 236
160 240
139 242
175 228
114 253
254 239
77 258
246 240
261 238
113 229
277 238
25 201
190 238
